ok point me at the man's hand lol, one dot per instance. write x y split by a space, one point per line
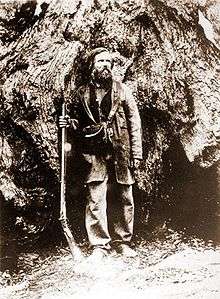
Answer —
135 164
66 122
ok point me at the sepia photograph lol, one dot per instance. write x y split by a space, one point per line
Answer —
109 149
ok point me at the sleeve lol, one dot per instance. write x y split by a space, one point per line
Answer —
134 123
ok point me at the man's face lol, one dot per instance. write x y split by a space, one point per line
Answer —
103 60
101 72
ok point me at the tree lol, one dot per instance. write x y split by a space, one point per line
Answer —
160 49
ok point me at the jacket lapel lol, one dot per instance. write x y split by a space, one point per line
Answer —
115 100
86 101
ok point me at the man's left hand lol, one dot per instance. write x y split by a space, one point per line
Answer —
135 163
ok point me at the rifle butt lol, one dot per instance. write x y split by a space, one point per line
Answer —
74 248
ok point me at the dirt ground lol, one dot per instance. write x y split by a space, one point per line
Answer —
170 268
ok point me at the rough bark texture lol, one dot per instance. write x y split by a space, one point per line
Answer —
160 50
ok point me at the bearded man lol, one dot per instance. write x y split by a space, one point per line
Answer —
107 126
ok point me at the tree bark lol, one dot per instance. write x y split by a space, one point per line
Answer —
161 51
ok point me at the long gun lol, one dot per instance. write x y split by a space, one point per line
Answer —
75 251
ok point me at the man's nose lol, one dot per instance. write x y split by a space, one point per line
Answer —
106 64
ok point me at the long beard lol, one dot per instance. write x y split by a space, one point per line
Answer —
102 77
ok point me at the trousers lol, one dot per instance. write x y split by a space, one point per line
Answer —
96 218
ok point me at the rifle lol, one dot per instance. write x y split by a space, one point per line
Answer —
75 251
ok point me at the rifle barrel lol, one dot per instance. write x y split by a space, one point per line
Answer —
75 251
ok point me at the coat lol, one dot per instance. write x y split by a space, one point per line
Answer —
125 138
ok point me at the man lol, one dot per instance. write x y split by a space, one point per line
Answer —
107 128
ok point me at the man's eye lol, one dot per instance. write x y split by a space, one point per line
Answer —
103 60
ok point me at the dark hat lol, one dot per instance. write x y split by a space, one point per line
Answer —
95 52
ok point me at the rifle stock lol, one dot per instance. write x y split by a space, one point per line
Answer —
75 251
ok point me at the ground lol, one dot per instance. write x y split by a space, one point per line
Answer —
169 268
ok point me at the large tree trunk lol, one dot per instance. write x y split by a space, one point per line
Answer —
161 51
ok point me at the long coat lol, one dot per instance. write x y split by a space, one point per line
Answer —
126 134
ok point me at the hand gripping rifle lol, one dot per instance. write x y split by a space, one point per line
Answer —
75 251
